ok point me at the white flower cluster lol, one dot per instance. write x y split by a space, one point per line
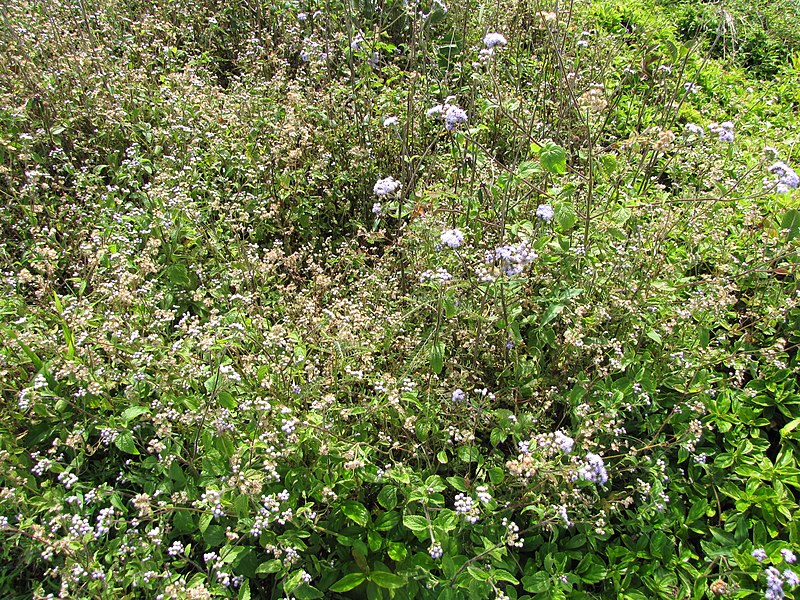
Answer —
384 187
453 115
452 238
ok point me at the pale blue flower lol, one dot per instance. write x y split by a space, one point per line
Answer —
494 39
545 212
452 238
384 187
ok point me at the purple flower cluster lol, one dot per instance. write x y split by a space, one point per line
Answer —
545 212
384 187
452 238
512 259
787 178
494 39
593 469
453 115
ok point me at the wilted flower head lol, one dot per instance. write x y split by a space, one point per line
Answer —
494 39
545 212
384 187
452 238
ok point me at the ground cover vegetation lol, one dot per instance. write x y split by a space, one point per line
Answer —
399 299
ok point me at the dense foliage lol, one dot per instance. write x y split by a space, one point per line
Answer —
399 299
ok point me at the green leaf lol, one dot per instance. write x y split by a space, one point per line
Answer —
306 592
553 158
347 583
387 497
124 441
356 512
179 275
270 566
226 400
387 521
244 590
536 583
458 483
654 336
183 521
130 413
437 357
478 574
503 575
387 580
293 581
415 522
214 535
609 163
397 551
551 313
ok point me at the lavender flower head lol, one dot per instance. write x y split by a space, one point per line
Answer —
774 589
788 556
377 209
759 554
564 442
494 39
545 212
593 469
726 132
459 395
694 129
452 238
390 121
512 259
787 178
384 187
791 577
453 117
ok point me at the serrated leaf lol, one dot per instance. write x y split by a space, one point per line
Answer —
553 158
293 581
356 512
478 574
130 413
124 441
270 566
536 583
387 497
415 522
179 275
387 580
347 583
458 483
397 551
503 575
226 400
